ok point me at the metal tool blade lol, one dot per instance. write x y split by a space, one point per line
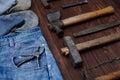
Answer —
54 16
74 4
97 28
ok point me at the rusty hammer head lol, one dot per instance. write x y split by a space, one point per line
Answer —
74 53
45 3
56 24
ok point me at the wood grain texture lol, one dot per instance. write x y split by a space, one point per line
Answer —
110 76
91 57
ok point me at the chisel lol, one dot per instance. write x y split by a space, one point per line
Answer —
97 28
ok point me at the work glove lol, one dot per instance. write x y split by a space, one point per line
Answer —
21 5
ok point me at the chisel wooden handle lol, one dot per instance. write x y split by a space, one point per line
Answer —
87 16
93 43
110 76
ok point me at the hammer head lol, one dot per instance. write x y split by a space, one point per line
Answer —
74 53
45 3
55 23
54 16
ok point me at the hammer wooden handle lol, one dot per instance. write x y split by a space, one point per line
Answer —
110 76
93 43
87 16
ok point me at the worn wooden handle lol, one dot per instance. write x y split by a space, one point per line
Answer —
110 76
93 43
87 16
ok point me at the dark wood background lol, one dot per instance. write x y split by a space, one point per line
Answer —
90 57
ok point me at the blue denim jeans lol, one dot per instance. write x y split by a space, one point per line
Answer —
26 56
6 5
7 23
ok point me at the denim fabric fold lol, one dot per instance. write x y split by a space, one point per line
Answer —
5 5
7 23
31 20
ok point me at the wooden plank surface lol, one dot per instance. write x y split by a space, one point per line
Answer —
90 57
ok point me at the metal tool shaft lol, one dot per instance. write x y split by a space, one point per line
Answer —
97 28
74 4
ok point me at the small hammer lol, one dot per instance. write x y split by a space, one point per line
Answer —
110 76
56 24
73 50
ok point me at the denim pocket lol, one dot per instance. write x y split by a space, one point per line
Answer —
30 61
31 66
26 66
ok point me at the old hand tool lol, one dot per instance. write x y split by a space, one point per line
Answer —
73 50
97 28
74 4
56 24
45 3
110 76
